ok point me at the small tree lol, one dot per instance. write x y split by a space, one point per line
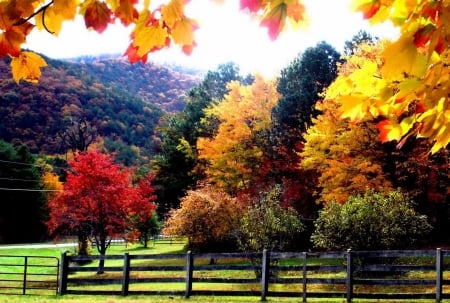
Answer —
370 221
207 216
267 225
98 202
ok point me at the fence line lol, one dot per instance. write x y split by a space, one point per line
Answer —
20 275
304 275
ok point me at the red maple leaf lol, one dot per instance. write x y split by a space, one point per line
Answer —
252 5
97 16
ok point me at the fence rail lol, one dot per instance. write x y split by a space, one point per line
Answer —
352 274
20 275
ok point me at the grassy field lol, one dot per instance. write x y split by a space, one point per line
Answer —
137 249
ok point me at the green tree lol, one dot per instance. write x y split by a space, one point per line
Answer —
267 225
22 210
369 222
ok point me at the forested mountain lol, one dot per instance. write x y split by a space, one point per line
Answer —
123 102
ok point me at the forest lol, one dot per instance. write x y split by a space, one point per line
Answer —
246 163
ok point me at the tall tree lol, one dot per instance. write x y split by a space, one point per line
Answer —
99 202
176 163
22 210
234 154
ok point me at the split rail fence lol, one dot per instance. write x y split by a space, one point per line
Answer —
410 274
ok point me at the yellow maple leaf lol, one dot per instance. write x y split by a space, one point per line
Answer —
150 38
355 107
403 58
27 66
172 12
183 32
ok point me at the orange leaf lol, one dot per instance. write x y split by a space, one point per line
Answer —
11 41
275 20
368 7
126 12
388 131
27 66
296 11
97 16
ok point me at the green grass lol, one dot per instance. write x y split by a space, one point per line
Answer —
174 248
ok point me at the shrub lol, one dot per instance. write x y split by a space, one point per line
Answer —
369 222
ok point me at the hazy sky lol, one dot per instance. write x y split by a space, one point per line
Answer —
225 34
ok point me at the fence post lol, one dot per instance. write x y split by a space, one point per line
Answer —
25 265
349 280
265 274
189 273
439 275
305 263
63 273
126 274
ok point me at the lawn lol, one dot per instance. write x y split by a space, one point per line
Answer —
154 248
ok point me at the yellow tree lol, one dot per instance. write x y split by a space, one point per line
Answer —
234 154
348 157
51 185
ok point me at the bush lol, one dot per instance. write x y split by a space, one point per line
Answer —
370 222
268 225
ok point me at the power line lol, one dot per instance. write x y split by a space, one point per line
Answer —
29 164
24 180
25 189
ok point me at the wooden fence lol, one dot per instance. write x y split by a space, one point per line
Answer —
411 274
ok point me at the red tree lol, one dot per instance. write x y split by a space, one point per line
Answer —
99 202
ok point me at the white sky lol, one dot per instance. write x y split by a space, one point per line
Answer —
225 34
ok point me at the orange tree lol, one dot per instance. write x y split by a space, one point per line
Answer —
99 202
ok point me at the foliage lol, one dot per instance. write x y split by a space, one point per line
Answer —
369 222
99 201
406 83
177 166
208 216
152 28
23 204
348 157
66 94
267 225
232 154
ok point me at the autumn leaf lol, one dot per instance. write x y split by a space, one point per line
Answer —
159 39
368 7
252 5
97 15
274 20
126 11
12 39
296 11
402 57
132 54
27 66
172 12
183 32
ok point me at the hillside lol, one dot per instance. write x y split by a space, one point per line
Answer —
123 102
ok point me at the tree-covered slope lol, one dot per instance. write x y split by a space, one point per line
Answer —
33 114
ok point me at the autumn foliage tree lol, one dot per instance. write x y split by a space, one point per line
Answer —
99 202
207 216
234 153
